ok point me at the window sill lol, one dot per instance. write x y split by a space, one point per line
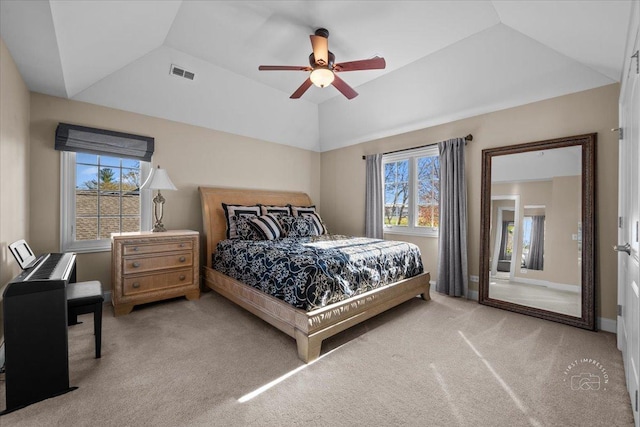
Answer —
433 234
87 248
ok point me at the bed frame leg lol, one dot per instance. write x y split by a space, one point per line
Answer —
425 295
308 348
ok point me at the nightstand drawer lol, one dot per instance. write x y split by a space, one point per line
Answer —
134 285
136 265
157 247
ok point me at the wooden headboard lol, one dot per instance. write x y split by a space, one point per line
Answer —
214 222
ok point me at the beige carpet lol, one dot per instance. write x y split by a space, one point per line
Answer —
444 362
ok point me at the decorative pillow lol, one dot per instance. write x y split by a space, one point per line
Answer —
310 212
266 227
233 212
244 229
298 226
277 210
299 210
316 220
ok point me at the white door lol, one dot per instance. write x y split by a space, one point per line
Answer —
629 212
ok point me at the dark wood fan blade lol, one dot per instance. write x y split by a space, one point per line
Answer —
375 63
320 49
344 88
302 89
284 68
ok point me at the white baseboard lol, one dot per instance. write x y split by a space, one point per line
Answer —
607 325
107 296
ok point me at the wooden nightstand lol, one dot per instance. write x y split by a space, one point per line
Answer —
148 267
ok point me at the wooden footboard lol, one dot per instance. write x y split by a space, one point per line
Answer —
310 328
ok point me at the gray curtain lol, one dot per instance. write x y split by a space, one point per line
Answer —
536 250
374 197
453 278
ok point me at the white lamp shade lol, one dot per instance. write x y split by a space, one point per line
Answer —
322 76
158 180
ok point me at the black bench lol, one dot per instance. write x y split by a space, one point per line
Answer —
83 298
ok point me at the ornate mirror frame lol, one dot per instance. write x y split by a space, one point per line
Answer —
588 143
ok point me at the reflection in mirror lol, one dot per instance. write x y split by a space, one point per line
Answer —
534 229
503 233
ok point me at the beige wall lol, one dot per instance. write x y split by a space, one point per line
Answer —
193 156
596 110
564 254
14 165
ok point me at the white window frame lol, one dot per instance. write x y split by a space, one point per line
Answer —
68 242
412 210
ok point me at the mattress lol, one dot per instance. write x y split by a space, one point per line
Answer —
312 272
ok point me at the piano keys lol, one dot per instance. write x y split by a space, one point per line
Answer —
35 331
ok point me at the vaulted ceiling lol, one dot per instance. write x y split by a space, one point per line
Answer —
446 60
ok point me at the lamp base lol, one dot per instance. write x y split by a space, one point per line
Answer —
158 226
158 213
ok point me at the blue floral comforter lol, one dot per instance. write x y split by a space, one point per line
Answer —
312 272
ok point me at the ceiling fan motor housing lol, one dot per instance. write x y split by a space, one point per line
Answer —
313 63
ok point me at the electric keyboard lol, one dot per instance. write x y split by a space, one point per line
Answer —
54 268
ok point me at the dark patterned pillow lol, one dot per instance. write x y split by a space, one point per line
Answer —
276 210
244 229
298 226
232 212
266 227
310 212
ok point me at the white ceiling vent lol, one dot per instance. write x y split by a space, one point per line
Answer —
181 72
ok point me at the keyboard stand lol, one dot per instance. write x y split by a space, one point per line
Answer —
36 341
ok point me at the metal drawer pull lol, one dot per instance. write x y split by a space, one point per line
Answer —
182 277
136 264
135 249
182 245
182 259
136 285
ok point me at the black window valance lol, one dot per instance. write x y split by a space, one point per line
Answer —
105 142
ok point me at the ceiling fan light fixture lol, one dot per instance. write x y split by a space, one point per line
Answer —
321 76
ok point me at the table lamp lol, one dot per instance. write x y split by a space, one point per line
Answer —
158 180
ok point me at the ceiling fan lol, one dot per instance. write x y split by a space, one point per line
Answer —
323 67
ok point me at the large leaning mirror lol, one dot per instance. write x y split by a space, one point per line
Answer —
537 229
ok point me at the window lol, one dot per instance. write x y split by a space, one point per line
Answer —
100 196
507 235
412 191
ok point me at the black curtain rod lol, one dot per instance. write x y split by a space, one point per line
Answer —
466 138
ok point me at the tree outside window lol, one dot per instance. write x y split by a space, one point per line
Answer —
396 196
412 191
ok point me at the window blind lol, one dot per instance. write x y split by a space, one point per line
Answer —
103 142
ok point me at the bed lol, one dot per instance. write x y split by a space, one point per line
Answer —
308 327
